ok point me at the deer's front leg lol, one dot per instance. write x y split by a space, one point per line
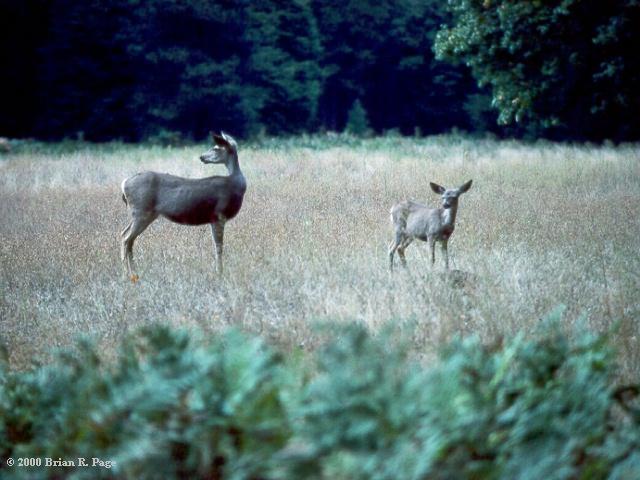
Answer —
217 231
445 253
432 248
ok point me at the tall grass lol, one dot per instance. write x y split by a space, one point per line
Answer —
543 225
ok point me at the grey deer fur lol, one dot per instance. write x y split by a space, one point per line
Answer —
413 220
188 201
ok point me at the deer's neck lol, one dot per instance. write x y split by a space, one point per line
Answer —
233 167
449 216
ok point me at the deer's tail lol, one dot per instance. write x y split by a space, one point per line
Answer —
399 214
124 198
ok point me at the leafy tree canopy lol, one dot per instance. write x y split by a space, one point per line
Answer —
564 65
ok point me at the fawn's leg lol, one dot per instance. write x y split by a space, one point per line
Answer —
405 243
445 253
393 246
432 248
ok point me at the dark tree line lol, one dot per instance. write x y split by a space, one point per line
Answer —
131 69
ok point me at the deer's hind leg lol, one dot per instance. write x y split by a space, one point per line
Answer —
403 246
122 235
137 225
394 245
126 229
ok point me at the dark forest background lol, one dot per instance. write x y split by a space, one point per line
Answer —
134 69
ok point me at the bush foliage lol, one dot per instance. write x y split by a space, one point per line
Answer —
174 405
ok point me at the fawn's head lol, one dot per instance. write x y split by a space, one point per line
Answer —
449 196
224 149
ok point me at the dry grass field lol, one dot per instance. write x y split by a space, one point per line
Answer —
543 225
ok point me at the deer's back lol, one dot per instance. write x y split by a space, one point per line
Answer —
415 219
400 211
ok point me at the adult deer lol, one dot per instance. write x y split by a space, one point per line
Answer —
188 201
413 220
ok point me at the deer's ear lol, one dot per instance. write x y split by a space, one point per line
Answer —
218 140
465 187
230 141
227 137
436 188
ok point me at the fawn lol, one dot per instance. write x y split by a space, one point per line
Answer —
413 220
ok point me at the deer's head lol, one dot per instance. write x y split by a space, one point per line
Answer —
224 149
449 196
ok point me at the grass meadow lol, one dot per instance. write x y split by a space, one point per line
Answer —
543 225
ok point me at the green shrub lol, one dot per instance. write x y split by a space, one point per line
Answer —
538 408
359 412
172 405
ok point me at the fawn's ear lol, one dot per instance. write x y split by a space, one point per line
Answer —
465 187
437 188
